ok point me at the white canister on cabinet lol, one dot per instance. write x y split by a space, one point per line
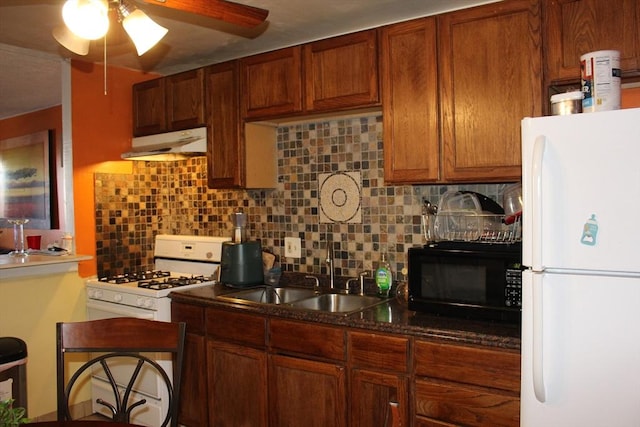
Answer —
601 79
67 242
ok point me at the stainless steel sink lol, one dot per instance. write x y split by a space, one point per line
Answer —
337 303
270 295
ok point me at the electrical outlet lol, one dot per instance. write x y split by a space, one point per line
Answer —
292 247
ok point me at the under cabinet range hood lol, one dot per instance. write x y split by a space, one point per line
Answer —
176 145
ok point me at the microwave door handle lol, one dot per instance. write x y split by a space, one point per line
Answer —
536 202
538 339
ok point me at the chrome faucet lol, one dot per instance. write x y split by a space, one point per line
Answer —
360 277
329 261
316 283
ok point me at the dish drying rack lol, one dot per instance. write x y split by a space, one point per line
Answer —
470 226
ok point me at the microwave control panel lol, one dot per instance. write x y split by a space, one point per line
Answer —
513 288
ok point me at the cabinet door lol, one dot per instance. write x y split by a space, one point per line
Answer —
371 393
193 393
272 83
149 107
225 153
185 100
341 72
410 102
466 405
491 78
306 393
237 379
575 27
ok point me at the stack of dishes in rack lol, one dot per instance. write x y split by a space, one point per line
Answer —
470 216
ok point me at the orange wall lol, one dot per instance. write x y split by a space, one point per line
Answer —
101 126
630 98
50 118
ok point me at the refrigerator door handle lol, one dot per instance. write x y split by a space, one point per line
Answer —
537 341
536 203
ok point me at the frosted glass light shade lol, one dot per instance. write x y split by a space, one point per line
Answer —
144 32
66 38
88 19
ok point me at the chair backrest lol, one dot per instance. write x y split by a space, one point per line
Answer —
115 339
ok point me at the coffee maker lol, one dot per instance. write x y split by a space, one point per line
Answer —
241 263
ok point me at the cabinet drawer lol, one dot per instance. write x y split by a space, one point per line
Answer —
237 327
470 365
466 405
304 338
378 351
192 315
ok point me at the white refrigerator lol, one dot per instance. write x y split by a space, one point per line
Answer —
581 284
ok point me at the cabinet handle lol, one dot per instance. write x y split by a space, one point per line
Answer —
393 415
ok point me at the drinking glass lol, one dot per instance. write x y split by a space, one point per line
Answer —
18 237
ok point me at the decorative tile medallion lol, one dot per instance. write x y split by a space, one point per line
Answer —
340 197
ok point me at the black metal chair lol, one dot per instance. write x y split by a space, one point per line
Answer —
114 340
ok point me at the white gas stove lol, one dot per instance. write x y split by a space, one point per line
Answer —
181 262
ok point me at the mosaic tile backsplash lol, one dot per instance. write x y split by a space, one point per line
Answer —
173 198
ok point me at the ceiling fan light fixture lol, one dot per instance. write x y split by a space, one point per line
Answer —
69 40
88 19
143 31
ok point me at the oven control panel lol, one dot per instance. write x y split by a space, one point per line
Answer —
122 298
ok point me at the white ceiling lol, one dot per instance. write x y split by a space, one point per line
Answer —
30 57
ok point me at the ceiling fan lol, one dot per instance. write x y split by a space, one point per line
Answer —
87 20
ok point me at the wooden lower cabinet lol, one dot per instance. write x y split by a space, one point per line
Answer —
193 395
370 395
246 369
379 366
464 385
237 380
306 392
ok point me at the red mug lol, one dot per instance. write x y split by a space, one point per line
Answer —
33 242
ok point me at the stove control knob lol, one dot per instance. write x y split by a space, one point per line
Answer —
96 294
117 297
148 303
140 302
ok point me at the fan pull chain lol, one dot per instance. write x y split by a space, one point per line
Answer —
105 64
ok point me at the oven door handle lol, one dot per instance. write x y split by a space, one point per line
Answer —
120 312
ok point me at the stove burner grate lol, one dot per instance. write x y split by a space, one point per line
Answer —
135 277
172 282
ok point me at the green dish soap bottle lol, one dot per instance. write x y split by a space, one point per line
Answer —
384 277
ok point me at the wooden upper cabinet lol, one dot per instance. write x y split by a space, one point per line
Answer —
169 103
149 111
272 83
410 102
225 153
341 72
575 27
490 62
185 100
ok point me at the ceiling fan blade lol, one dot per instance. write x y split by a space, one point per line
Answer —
234 13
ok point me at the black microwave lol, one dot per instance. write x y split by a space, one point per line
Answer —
473 280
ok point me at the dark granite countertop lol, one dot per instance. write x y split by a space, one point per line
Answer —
392 317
